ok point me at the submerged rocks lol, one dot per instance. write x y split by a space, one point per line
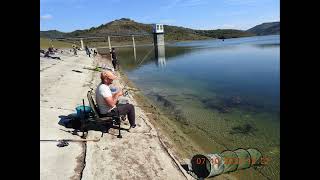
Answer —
166 103
224 104
179 116
213 104
244 129
170 107
233 101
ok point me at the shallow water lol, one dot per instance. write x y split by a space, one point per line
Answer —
226 90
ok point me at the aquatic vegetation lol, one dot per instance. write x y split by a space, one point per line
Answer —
275 150
224 104
244 129
179 116
165 102
190 96
233 101
213 104
171 108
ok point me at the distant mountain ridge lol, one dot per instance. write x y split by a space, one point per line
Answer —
52 34
128 26
266 29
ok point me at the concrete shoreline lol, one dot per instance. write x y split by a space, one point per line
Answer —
140 154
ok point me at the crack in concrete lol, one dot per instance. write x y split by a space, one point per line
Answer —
81 163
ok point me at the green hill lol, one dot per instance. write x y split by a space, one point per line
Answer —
52 34
224 33
128 26
266 28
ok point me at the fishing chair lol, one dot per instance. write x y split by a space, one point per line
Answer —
113 118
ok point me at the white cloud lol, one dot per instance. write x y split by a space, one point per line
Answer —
46 17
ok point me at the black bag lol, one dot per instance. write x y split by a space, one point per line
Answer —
76 123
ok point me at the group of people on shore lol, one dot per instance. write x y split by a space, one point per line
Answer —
89 51
107 102
48 54
75 49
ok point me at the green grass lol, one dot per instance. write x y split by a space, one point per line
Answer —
45 43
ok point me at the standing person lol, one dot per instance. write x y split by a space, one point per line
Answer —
95 53
107 102
114 59
50 49
74 49
87 51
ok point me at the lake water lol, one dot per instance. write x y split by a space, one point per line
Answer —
227 91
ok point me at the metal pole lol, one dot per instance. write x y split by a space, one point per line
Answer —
109 47
81 41
134 48
109 43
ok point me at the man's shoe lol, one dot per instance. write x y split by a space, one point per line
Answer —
133 126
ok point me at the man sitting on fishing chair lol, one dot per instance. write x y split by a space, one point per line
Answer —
107 102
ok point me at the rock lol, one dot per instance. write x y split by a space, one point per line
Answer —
244 129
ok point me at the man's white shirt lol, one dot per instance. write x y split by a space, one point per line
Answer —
102 92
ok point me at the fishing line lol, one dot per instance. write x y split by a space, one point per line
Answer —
145 56
141 61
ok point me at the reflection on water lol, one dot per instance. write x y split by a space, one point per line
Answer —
160 56
227 91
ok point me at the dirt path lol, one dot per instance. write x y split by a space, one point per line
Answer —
138 155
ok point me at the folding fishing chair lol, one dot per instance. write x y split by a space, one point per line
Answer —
95 117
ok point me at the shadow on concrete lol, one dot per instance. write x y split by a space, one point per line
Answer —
71 121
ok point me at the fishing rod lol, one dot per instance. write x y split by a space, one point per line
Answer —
65 142
140 63
70 140
145 56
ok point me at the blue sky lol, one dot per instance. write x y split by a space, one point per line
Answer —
70 15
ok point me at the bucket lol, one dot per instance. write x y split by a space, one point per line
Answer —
85 109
